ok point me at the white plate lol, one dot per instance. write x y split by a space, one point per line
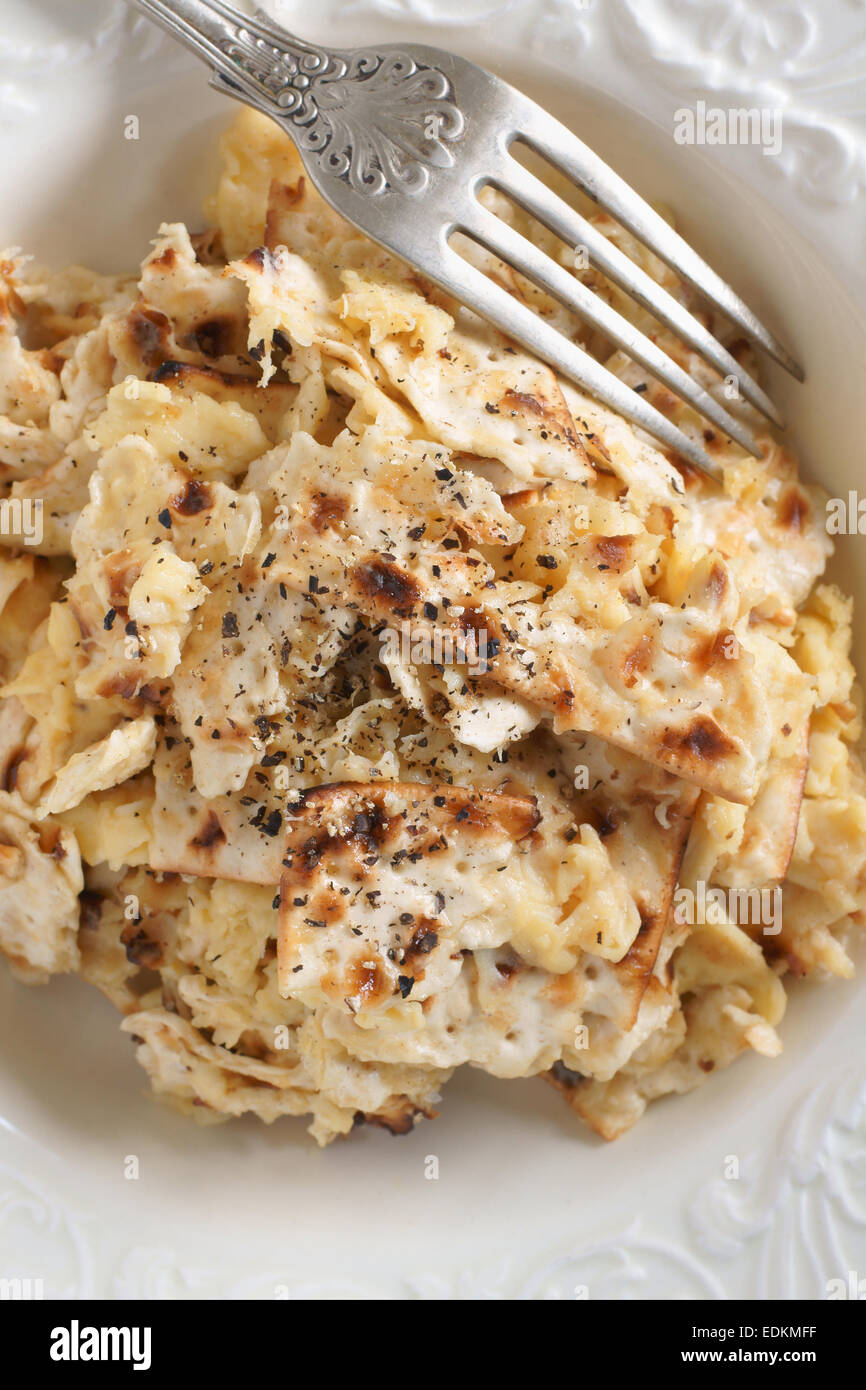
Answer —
526 1204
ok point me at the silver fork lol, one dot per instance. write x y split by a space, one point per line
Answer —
400 140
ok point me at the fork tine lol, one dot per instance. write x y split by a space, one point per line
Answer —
479 293
549 138
496 236
566 223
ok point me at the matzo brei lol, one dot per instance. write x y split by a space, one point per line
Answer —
372 701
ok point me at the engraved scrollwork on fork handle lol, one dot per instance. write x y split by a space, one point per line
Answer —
376 118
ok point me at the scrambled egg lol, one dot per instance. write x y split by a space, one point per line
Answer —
368 693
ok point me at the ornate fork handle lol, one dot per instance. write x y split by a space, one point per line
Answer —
374 117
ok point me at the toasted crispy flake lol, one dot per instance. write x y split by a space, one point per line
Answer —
213 838
40 879
384 885
127 750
